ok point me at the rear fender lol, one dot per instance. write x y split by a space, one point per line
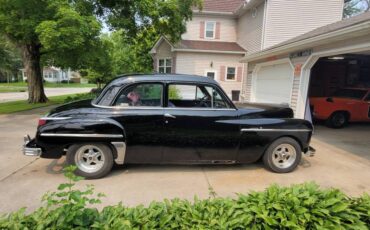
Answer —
57 135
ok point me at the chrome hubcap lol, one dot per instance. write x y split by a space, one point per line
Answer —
89 158
284 156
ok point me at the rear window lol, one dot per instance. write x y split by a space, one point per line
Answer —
350 93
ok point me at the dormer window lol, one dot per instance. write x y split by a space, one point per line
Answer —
210 30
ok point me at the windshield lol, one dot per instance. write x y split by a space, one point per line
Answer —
350 93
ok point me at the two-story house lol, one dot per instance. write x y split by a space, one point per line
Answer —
225 31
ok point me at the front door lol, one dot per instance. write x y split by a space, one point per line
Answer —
141 114
195 125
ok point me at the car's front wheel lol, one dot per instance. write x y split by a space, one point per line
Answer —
283 155
93 161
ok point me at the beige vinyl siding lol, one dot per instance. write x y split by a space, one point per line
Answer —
250 30
227 28
286 19
199 63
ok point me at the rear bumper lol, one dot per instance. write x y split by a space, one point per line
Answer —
29 150
310 151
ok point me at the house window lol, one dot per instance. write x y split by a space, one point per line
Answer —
211 74
165 65
210 30
231 74
235 95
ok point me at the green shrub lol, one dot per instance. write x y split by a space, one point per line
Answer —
303 206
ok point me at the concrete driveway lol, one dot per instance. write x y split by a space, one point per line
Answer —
5 97
342 161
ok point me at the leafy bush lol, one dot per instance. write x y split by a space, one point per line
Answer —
303 206
80 96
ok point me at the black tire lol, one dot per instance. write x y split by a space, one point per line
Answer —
271 161
105 160
337 120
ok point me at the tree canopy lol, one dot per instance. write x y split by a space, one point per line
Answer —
56 32
354 7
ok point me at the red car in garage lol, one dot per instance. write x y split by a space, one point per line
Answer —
346 105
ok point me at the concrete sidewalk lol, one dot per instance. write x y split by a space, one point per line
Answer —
5 97
23 180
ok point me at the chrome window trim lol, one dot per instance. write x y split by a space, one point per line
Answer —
274 130
96 135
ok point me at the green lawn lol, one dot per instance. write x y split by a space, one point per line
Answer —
12 89
17 106
48 85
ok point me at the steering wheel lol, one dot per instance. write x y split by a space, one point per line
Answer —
203 102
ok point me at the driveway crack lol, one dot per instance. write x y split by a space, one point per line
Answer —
19 169
211 191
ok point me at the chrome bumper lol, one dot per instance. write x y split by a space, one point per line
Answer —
30 151
310 152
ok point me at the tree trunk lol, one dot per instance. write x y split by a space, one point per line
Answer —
31 60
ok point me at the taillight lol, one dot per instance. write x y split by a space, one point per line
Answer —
42 122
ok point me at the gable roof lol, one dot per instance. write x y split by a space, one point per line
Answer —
359 23
209 45
201 46
222 5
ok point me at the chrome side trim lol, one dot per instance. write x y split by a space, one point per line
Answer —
156 108
81 135
121 152
54 118
275 130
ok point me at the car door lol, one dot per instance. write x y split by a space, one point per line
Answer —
195 125
140 112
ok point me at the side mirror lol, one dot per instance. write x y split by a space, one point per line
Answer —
329 99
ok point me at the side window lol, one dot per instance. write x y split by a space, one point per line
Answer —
195 96
145 94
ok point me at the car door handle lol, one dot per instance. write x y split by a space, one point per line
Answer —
169 115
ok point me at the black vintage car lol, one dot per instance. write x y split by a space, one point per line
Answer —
169 119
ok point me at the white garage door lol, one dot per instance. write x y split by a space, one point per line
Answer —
273 84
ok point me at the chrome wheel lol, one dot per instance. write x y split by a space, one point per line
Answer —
284 156
89 158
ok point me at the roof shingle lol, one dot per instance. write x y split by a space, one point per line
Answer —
209 45
222 5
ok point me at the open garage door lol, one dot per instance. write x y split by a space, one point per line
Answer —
273 84
339 91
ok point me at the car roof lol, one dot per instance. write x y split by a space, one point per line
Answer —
131 78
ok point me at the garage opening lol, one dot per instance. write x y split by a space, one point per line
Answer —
339 97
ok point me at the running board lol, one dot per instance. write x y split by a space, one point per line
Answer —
223 162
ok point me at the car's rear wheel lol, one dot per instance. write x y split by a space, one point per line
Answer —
337 120
283 155
93 161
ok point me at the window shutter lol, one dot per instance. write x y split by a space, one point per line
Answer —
218 29
201 31
239 74
155 67
222 73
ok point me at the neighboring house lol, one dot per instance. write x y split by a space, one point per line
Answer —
58 75
225 31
